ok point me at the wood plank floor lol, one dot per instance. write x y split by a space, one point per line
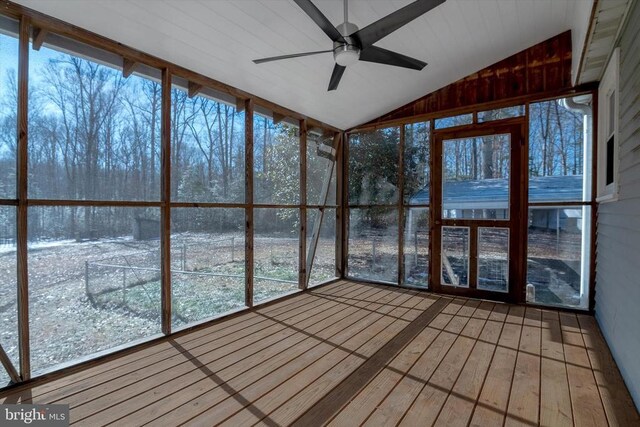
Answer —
350 354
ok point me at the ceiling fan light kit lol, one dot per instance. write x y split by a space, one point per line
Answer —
351 44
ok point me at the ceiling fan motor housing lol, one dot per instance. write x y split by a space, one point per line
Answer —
346 53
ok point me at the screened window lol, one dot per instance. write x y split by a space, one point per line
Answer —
8 107
276 163
208 156
93 134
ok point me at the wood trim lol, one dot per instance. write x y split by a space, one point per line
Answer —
469 109
518 213
401 225
22 218
340 208
303 272
106 203
432 282
473 257
248 199
345 205
65 29
240 104
8 366
128 67
552 204
278 118
39 34
194 89
165 212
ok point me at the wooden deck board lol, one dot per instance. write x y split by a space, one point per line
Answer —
354 354
226 368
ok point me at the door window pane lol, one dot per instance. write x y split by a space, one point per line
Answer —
416 247
455 256
493 259
94 280
373 167
373 244
475 177
207 263
558 255
276 238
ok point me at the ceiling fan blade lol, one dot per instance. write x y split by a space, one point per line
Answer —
320 20
387 25
336 75
384 56
293 55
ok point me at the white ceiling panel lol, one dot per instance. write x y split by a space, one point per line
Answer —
219 39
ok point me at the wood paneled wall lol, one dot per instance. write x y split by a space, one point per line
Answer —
543 68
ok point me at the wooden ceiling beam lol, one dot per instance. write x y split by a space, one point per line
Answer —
194 89
240 104
128 66
277 117
39 35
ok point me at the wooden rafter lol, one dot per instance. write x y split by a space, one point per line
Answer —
128 67
277 118
240 105
194 89
39 35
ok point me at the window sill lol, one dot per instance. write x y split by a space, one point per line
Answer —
608 197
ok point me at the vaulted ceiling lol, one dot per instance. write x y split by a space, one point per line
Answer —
219 39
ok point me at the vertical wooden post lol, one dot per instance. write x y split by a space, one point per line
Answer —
434 248
592 203
339 168
165 209
401 206
21 236
248 196
302 251
344 195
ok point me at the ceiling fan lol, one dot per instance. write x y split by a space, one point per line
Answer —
351 44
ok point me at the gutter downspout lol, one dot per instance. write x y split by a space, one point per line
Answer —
587 137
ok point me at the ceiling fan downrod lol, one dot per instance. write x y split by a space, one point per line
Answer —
346 52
